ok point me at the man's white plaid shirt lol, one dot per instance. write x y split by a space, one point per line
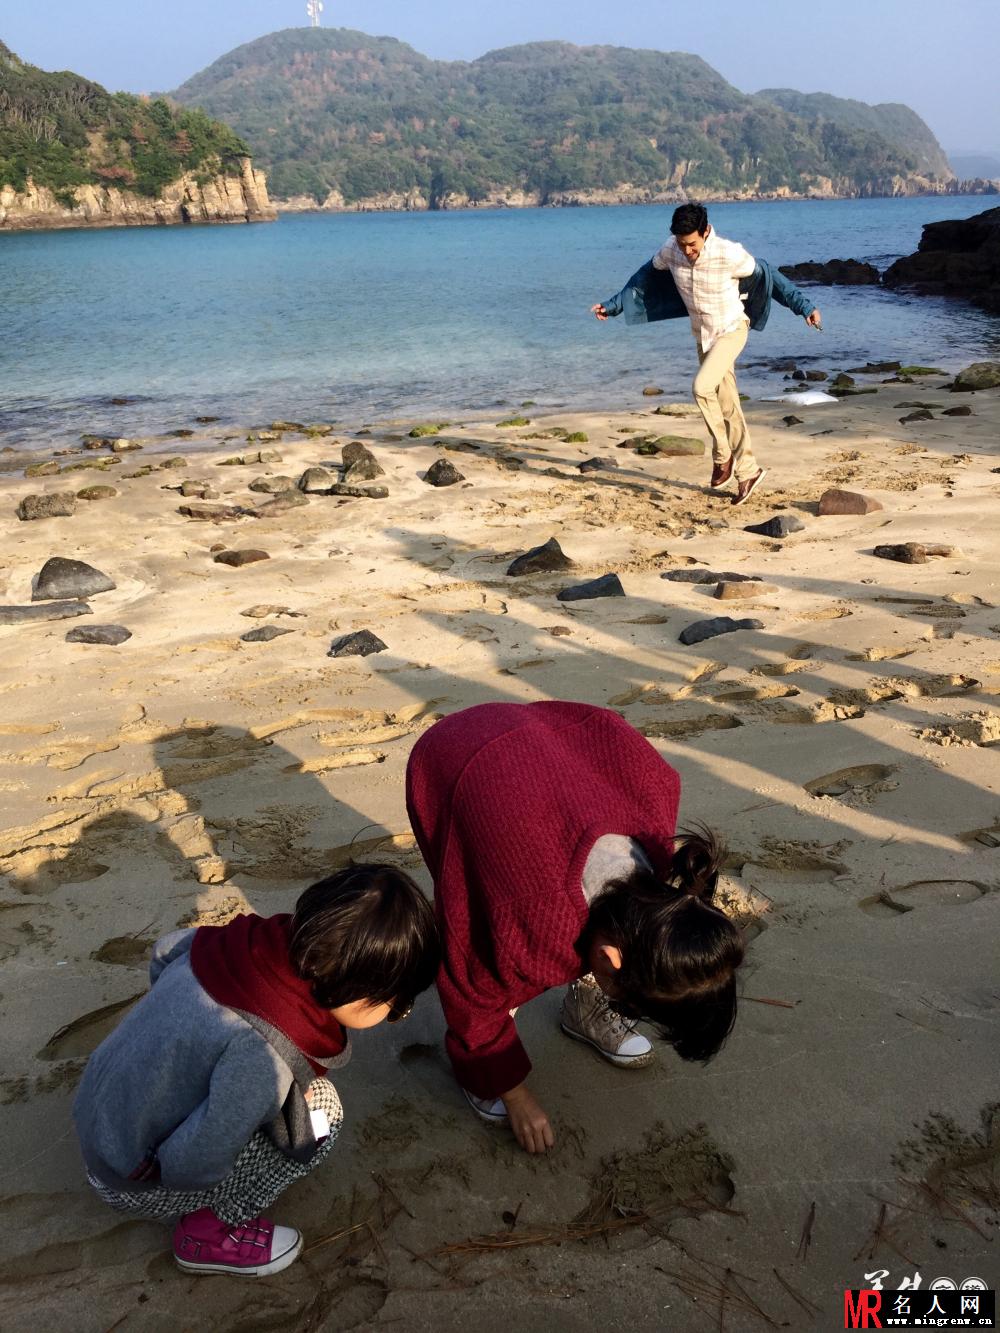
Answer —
709 287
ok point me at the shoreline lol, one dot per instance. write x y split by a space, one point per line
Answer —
162 213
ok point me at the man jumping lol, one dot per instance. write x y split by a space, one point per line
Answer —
725 291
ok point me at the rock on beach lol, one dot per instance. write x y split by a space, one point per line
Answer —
443 472
362 643
265 633
237 559
745 588
59 504
700 630
835 501
28 615
108 635
781 525
703 576
608 585
59 578
540 560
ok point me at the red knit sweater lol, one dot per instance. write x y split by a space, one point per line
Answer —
506 801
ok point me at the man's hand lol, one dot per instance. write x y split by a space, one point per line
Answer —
600 312
813 320
528 1121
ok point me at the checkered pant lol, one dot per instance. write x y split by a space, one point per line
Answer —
260 1173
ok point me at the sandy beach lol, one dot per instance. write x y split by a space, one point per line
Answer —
848 751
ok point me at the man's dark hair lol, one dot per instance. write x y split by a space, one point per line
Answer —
365 933
689 218
679 951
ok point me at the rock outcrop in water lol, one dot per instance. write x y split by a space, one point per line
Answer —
959 257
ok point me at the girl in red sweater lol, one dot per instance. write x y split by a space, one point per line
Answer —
549 829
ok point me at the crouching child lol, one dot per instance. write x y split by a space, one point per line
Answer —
211 1096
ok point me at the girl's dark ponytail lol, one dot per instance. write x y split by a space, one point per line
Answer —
698 860
680 952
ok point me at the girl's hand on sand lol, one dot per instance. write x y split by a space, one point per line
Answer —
528 1121
599 311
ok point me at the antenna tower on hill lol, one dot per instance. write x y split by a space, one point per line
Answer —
314 9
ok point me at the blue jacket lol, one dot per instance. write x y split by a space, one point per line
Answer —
651 294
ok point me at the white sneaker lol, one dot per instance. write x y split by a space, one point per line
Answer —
489 1109
587 1017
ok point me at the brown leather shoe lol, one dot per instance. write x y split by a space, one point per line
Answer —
721 472
744 489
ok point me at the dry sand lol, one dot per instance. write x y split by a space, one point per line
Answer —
187 775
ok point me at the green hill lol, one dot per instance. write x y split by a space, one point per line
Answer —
892 121
332 110
62 131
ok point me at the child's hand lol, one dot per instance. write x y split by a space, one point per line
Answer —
599 311
528 1121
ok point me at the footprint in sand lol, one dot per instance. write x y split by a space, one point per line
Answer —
780 668
125 950
682 729
791 863
753 693
846 781
86 1033
44 869
885 653
923 893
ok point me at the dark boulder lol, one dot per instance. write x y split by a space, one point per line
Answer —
108 635
958 257
364 466
237 559
835 501
443 472
57 504
61 578
834 273
709 629
265 634
703 576
779 526
608 585
362 643
541 560
911 553
359 492
980 375
30 615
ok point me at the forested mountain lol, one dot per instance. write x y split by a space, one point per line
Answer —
62 131
892 121
332 113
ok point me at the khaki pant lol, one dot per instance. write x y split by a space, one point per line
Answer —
716 394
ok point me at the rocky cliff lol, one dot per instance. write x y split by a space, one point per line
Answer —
222 198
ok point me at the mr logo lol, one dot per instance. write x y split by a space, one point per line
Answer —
862 1309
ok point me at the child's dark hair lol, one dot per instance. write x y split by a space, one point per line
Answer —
689 218
679 951
365 933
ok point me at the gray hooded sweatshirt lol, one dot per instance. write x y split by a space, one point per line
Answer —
181 1077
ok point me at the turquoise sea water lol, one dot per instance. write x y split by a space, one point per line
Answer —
363 317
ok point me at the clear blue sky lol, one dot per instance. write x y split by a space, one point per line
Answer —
940 57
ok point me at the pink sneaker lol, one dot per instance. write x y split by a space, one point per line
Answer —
203 1244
